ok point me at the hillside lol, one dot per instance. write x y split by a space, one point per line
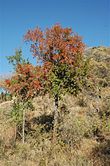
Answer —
83 130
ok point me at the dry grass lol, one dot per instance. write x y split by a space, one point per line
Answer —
77 135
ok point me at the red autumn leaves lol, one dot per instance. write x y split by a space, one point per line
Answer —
52 47
55 45
26 82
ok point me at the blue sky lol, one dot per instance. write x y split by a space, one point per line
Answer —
89 18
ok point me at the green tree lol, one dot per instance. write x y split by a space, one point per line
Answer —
16 59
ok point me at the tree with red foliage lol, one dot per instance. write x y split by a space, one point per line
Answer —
26 81
60 52
24 84
55 45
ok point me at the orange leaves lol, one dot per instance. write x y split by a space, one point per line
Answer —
46 68
24 68
34 35
56 57
56 45
7 81
36 84
25 82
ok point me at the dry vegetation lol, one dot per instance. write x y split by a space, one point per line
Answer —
83 130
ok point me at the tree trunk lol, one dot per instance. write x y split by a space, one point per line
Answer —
55 119
23 127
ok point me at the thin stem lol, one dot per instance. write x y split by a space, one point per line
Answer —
23 127
55 119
